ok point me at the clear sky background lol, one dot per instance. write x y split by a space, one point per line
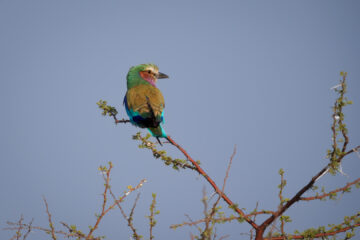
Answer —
252 73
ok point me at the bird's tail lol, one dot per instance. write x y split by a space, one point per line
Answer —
158 132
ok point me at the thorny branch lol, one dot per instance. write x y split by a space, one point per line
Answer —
335 159
111 111
129 220
254 219
19 226
209 217
103 210
50 221
72 230
343 227
212 183
153 212
117 201
343 189
221 219
281 198
176 163
206 233
336 156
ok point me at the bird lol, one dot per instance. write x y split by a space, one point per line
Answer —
143 101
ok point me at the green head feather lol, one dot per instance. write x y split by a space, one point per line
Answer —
133 77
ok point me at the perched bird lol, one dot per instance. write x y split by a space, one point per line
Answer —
144 103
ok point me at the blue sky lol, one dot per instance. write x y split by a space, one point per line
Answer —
255 74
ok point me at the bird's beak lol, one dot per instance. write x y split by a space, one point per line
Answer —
162 75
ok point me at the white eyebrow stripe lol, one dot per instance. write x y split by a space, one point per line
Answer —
152 69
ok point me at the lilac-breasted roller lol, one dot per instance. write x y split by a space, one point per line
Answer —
144 103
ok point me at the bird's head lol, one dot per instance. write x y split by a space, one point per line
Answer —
144 74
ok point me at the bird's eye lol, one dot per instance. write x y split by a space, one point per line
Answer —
149 71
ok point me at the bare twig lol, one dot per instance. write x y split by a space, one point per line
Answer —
103 210
228 168
130 219
46 230
125 216
210 216
117 202
72 231
18 229
51 224
29 228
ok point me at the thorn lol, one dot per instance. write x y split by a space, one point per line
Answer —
341 171
327 170
357 152
212 195
336 86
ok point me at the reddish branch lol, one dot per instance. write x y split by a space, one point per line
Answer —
212 183
260 231
343 189
223 219
319 235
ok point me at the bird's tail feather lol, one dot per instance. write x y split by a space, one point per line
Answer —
157 132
